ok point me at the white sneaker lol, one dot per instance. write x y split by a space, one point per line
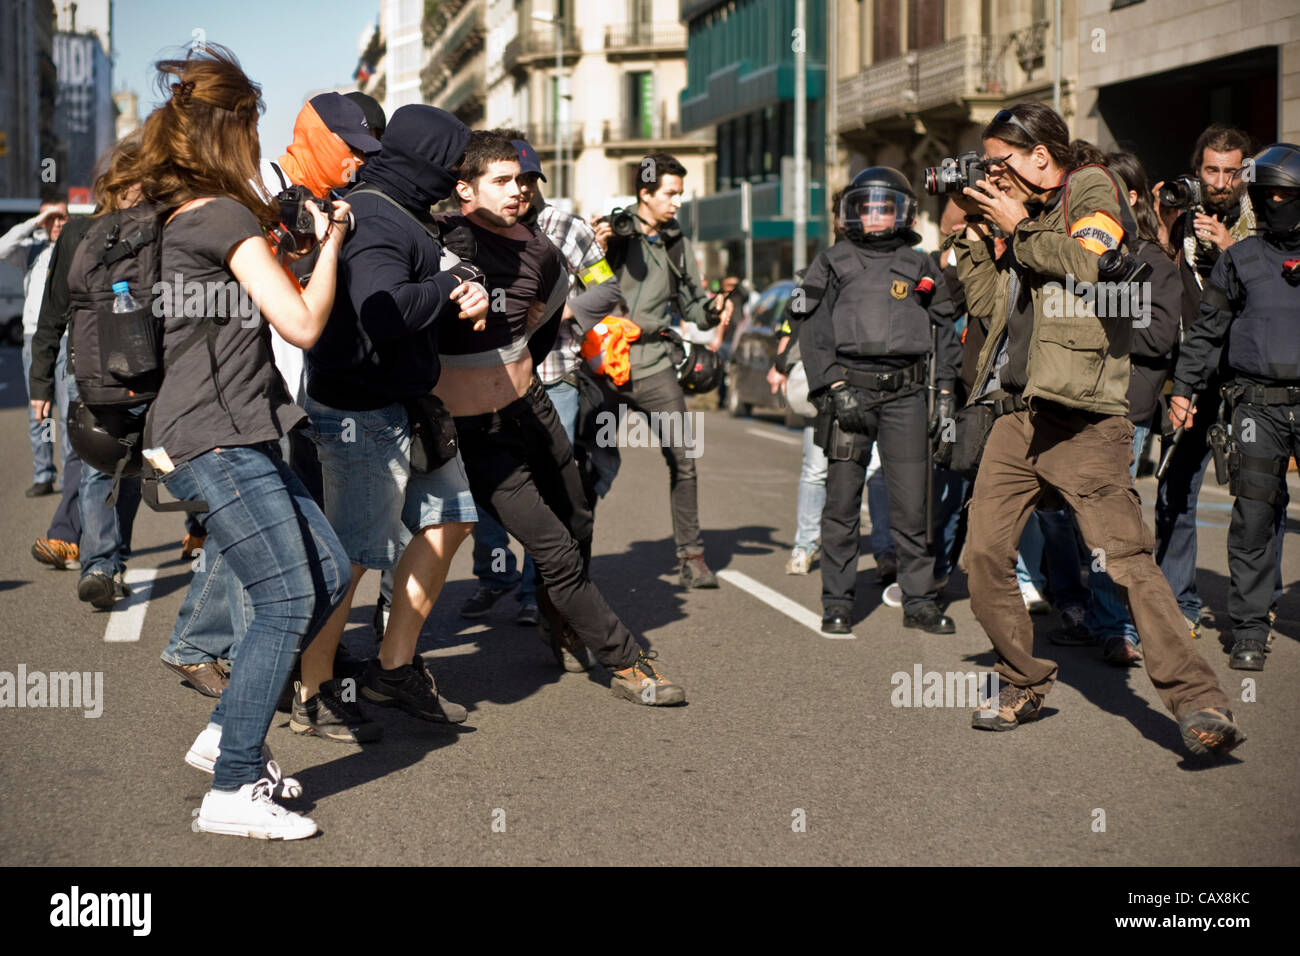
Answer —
1035 603
893 595
801 560
250 812
206 748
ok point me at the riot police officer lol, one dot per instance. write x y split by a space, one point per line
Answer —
869 311
1252 301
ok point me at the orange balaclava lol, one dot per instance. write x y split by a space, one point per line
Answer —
318 158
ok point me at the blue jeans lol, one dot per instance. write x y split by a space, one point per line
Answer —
216 610
275 540
1107 613
105 531
878 505
489 536
812 494
1049 558
950 491
38 432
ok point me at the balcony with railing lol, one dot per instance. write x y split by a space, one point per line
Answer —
625 41
534 47
541 136
467 90
941 76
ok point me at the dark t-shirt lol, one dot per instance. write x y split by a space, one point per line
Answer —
518 273
247 404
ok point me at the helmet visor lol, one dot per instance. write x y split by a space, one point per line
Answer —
876 209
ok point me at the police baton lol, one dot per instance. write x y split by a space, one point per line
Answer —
1174 439
929 458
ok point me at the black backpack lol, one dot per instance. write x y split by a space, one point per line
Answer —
117 358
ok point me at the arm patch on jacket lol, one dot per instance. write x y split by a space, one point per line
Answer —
596 273
1097 233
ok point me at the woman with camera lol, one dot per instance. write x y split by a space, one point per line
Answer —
222 410
1058 363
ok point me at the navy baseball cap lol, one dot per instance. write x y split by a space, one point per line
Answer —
345 119
528 162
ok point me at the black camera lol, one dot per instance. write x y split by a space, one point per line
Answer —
622 222
1116 267
1181 193
953 175
297 230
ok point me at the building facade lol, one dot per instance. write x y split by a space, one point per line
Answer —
455 73
28 88
740 92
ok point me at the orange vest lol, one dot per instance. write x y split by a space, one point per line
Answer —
607 348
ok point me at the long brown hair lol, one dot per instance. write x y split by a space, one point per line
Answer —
1130 169
1040 124
203 140
115 184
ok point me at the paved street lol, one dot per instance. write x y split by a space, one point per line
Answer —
784 726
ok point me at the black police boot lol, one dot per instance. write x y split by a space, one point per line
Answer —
1247 656
836 620
929 618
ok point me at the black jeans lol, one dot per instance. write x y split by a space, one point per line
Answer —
521 470
661 395
900 426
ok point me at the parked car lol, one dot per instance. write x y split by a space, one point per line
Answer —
750 352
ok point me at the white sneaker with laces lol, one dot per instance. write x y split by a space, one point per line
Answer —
893 595
250 812
206 748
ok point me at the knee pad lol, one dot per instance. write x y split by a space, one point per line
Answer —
1256 479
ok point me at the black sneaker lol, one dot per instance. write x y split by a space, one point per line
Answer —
1248 656
410 687
98 589
927 617
482 601
570 653
1074 632
332 716
695 573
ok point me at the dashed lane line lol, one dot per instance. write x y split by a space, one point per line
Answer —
126 620
780 602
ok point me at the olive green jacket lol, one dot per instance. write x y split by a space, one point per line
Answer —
1075 358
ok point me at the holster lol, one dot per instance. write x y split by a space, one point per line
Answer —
838 444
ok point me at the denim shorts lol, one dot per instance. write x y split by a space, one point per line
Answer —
372 499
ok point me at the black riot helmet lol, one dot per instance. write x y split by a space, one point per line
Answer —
879 203
107 438
1275 167
698 368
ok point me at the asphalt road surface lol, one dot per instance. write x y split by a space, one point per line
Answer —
790 750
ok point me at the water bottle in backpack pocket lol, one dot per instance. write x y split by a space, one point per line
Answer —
130 342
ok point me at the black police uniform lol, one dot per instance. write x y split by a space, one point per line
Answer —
1252 301
863 320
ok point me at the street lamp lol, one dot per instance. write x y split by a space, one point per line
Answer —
560 134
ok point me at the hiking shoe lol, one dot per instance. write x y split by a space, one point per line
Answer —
570 653
250 812
1073 632
1211 731
893 595
1015 706
927 617
60 555
191 545
205 750
1035 603
98 589
837 620
801 560
208 678
527 616
1120 652
482 601
1248 656
642 683
121 590
412 688
40 489
329 716
887 567
695 573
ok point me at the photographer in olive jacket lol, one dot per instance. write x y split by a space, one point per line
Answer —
655 268
1069 369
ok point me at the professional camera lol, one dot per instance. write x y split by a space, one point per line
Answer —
955 174
1116 267
1181 193
296 232
622 222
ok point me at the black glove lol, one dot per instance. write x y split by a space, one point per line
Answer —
468 272
848 409
945 410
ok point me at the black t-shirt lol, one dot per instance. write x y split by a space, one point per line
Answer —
246 403
519 272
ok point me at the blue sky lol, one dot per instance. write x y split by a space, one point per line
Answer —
290 47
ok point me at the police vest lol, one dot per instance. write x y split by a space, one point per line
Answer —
1264 339
877 310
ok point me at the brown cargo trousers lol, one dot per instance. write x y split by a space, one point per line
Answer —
1086 458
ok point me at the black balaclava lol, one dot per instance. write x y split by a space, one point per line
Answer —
421 144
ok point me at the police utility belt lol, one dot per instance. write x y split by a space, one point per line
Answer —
886 381
1265 394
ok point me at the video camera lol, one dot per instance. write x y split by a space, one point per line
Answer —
296 232
622 222
1182 193
953 175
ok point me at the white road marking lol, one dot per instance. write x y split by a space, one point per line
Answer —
781 603
775 436
126 620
